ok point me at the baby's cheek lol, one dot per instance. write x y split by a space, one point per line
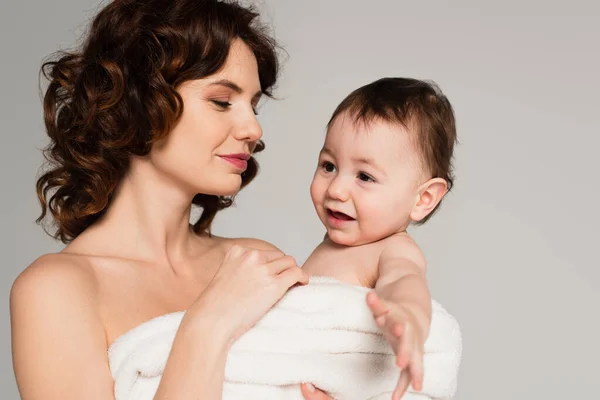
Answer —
316 189
373 217
385 215
377 209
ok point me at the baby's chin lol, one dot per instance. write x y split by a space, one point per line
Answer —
350 240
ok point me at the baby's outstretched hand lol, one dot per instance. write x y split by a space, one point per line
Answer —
402 331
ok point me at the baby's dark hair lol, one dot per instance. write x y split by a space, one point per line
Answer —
116 95
410 103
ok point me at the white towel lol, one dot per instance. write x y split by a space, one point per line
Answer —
323 333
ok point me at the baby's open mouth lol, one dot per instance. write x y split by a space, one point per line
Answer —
339 215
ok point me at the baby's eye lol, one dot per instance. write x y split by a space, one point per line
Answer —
327 166
365 178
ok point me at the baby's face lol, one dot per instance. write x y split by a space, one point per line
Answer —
366 183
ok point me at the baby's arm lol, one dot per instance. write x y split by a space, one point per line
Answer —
401 304
402 281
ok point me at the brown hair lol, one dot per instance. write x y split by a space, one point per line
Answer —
116 95
409 102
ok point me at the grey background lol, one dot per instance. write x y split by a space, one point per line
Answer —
513 251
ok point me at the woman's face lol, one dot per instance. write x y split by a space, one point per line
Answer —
207 150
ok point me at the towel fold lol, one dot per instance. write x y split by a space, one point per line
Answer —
323 333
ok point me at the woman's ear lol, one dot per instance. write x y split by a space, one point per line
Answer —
429 196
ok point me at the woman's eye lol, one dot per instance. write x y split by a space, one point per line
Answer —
328 167
365 178
222 104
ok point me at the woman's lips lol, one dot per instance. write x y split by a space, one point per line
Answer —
240 161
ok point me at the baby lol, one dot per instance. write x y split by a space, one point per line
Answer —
386 163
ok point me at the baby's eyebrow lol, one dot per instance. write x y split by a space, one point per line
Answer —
364 160
368 161
325 150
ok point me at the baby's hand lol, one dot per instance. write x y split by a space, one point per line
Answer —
399 326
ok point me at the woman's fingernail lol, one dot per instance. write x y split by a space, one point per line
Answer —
310 387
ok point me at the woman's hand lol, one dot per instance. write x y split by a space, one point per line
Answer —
245 287
248 283
311 393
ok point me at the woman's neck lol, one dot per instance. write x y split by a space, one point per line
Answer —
148 219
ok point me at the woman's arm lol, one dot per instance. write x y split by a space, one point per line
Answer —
58 339
59 343
196 364
245 287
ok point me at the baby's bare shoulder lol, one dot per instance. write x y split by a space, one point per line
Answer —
402 246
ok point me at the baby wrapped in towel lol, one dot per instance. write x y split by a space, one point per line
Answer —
365 327
322 333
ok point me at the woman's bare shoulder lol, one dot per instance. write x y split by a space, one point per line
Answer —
55 315
56 270
55 278
254 243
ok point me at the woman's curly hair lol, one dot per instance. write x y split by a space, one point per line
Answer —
116 95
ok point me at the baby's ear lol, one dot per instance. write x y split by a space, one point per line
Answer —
428 197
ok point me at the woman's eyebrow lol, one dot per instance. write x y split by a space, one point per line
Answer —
233 86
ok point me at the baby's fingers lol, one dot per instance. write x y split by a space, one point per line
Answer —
378 308
402 385
406 345
416 370
381 321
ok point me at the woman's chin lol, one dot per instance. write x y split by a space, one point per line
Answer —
225 186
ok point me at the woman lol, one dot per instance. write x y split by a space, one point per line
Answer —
155 112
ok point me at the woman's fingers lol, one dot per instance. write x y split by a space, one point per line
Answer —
271 255
281 264
237 251
291 276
